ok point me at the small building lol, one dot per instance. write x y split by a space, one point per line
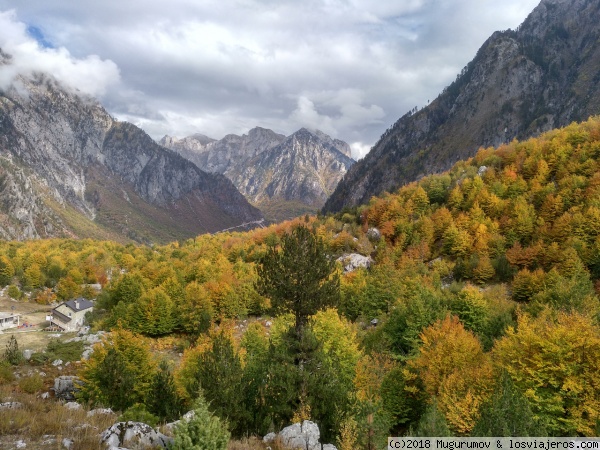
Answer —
69 315
9 320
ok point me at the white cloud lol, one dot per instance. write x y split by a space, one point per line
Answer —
348 67
90 75
359 150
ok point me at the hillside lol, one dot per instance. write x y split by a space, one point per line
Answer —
520 83
484 282
69 169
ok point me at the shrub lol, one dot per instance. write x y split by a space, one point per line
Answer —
31 384
67 351
139 413
203 432
14 292
12 353
6 373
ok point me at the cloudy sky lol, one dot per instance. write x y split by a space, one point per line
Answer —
348 67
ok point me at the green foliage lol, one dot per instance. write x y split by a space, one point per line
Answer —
432 423
139 413
219 379
419 307
6 372
163 401
14 292
153 314
404 409
202 432
299 277
118 373
507 413
12 354
67 351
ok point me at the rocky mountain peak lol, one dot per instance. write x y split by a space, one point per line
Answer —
286 176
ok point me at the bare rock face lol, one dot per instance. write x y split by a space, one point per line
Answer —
519 84
61 151
273 171
353 261
305 167
231 151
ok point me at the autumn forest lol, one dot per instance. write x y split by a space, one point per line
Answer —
479 315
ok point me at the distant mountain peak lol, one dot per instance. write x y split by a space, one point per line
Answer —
285 176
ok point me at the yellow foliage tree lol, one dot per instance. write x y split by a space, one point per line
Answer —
453 368
554 360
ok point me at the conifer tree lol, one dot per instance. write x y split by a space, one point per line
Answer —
202 432
299 277
507 413
163 400
12 353
432 423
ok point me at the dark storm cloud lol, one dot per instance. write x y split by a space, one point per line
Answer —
350 68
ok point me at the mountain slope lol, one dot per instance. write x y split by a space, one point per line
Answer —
520 83
109 176
284 177
305 168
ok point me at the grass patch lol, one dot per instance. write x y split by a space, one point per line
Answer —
37 419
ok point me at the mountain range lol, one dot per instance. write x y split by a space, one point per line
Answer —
282 176
543 75
67 168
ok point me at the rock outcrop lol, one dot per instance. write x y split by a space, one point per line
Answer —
520 83
133 435
65 387
303 436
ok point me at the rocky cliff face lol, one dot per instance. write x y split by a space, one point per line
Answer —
520 83
84 173
282 176
231 151
305 167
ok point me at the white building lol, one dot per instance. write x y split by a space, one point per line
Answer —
69 315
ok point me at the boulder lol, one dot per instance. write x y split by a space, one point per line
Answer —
133 434
27 354
72 405
65 387
304 436
101 411
373 234
352 261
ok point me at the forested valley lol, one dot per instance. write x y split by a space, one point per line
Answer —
478 315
